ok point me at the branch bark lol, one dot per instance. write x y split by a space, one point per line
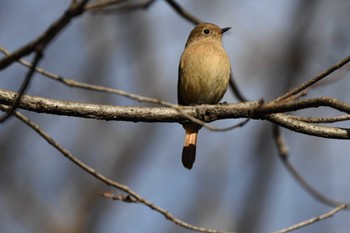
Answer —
271 111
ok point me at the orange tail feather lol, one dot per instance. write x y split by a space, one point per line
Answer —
189 149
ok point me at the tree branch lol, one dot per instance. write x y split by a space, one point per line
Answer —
315 79
206 113
313 220
307 128
182 12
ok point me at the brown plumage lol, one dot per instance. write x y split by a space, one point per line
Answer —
204 73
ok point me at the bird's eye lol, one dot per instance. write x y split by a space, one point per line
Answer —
206 31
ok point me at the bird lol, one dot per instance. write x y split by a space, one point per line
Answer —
203 77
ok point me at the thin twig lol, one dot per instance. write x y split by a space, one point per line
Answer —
24 86
236 91
105 179
314 79
313 220
238 125
281 145
181 11
126 7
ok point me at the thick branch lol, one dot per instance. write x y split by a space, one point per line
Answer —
125 113
251 109
208 113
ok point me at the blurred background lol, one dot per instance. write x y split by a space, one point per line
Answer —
238 182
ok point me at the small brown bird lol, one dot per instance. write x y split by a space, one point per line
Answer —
204 73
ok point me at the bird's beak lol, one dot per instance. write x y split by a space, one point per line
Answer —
223 30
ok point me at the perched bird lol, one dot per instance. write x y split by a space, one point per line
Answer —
204 73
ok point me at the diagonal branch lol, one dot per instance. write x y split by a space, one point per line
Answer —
315 79
24 86
43 40
181 11
105 179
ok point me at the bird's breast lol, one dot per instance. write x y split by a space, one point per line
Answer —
204 74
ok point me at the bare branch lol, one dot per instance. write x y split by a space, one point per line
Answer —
208 113
236 91
318 120
106 180
281 145
120 113
239 125
314 220
314 79
307 128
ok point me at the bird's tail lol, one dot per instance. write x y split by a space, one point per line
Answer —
189 149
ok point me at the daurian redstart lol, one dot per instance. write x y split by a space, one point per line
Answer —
204 73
